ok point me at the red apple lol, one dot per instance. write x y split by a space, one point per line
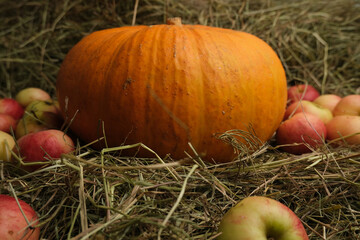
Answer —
43 146
13 225
27 95
302 92
342 126
309 107
7 143
349 105
7 122
328 101
11 107
256 218
301 133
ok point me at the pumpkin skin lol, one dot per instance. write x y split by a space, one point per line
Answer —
167 85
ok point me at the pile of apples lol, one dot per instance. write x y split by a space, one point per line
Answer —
30 127
312 120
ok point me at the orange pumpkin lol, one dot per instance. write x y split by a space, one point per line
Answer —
167 85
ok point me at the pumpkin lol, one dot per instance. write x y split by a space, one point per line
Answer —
170 84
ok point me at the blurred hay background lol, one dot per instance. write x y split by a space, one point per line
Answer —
107 196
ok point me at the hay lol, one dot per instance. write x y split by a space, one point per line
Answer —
104 195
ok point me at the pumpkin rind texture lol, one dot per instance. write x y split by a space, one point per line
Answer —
167 85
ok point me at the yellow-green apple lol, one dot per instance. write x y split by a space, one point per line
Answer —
13 225
7 143
342 126
11 107
261 218
43 106
328 101
31 123
43 146
301 134
349 105
7 123
27 95
302 92
39 115
308 107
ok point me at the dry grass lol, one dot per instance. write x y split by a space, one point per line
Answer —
104 195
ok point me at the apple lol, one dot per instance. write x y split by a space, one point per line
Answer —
301 133
328 101
349 105
43 106
342 126
309 107
302 92
28 95
43 146
11 107
13 225
39 116
31 123
261 218
7 123
7 143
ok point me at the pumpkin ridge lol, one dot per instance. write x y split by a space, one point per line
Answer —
199 99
